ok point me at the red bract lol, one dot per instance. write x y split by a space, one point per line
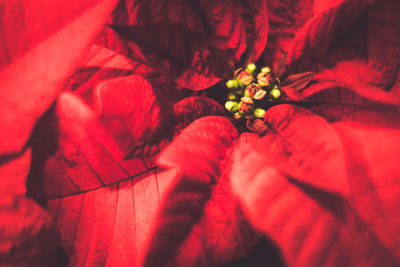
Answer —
29 45
138 171
345 50
312 222
87 176
37 55
192 43
182 206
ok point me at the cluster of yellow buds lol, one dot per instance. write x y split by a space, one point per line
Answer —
251 93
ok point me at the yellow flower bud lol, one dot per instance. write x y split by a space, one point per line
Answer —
266 70
232 96
232 84
251 67
237 116
259 113
275 93
231 106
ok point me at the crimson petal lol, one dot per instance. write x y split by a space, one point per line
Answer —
309 151
197 42
199 155
128 107
41 44
189 109
311 225
29 45
317 36
96 198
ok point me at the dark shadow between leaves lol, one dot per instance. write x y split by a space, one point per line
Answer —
265 253
334 203
43 133
34 182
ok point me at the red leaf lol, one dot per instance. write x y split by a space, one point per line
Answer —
295 84
189 109
198 154
305 148
343 56
108 225
100 64
13 172
314 227
367 55
222 234
28 236
136 127
87 171
286 18
370 138
102 204
197 42
331 91
317 36
173 121
107 222
88 157
40 44
35 63
322 5
128 107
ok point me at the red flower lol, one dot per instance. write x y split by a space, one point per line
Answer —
134 171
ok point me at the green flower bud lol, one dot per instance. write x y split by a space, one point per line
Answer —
259 113
251 67
275 93
232 84
237 116
232 96
266 70
231 106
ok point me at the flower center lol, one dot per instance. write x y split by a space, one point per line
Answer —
251 94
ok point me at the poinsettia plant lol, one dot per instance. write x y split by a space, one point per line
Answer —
118 146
